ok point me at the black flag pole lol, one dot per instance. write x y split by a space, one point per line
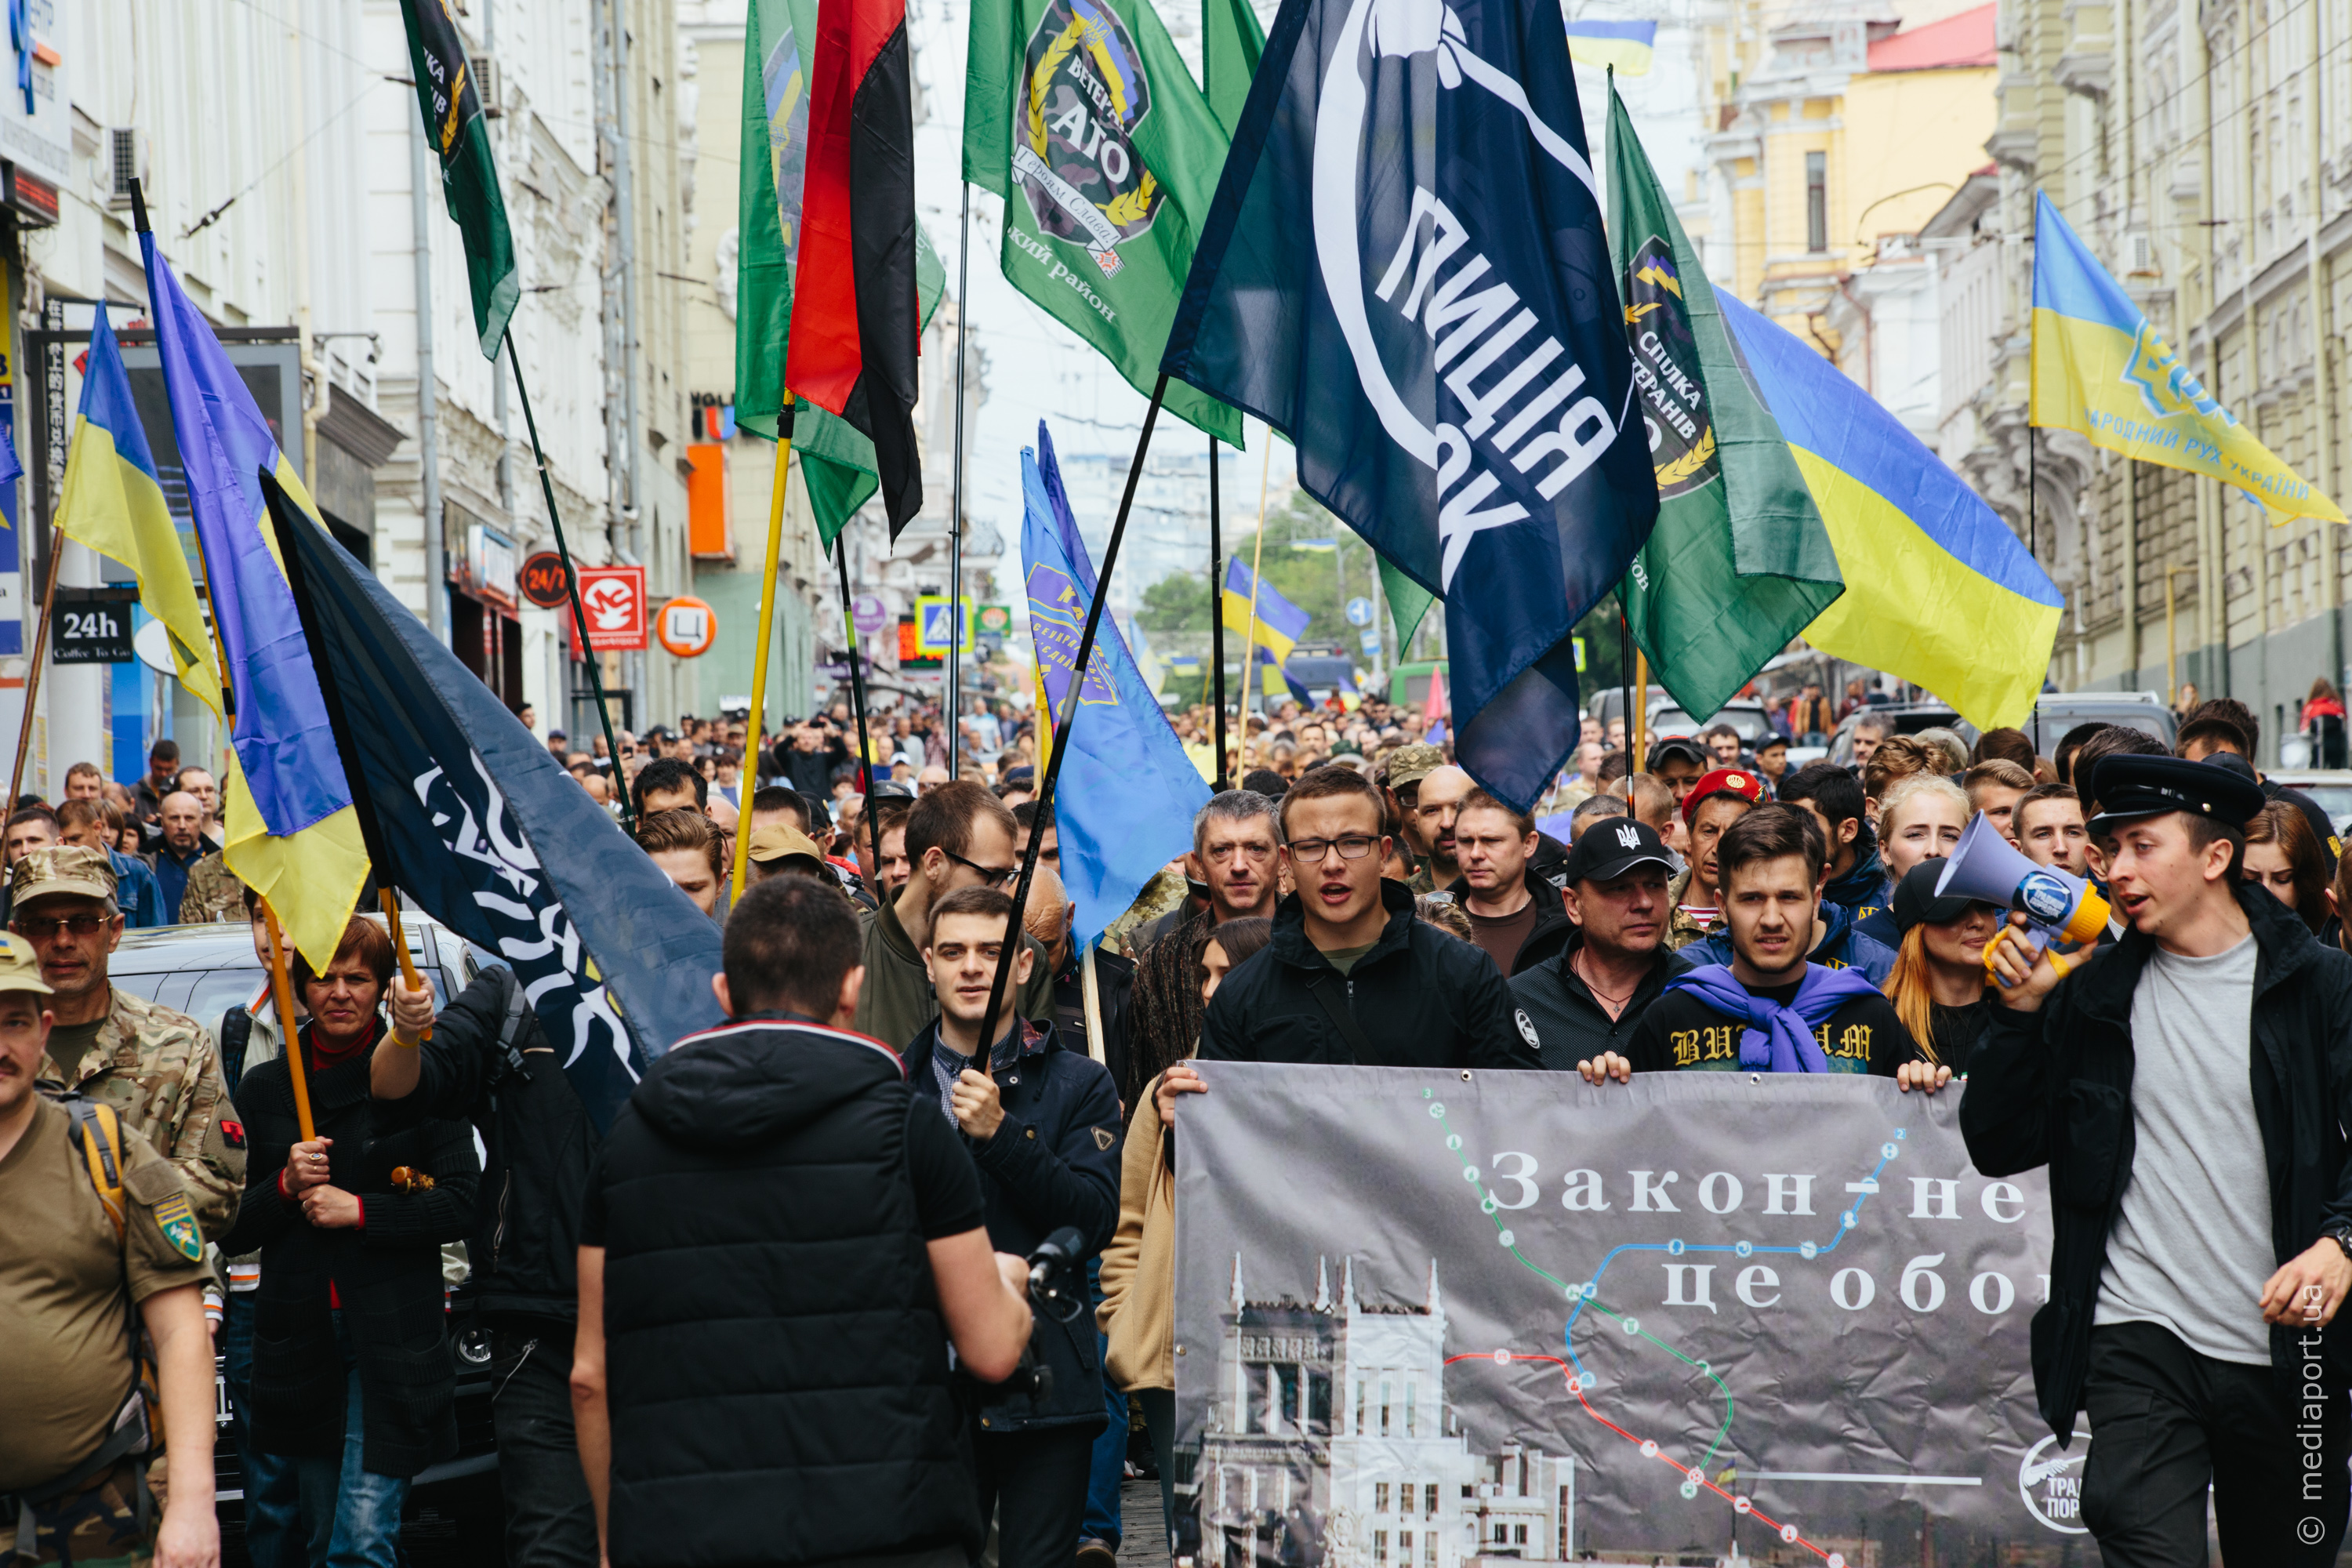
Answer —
955 516
1217 616
620 778
1062 730
858 701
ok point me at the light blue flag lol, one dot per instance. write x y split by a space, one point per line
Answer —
1124 803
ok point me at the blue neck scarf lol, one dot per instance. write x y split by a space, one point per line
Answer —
1780 1038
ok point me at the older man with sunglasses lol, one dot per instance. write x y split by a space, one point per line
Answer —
159 1070
958 835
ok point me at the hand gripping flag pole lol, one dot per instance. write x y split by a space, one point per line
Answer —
1062 733
572 584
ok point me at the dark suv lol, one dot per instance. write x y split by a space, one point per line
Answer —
454 1516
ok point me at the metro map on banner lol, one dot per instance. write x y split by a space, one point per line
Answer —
1647 1319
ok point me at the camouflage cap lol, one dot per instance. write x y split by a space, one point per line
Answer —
1411 764
20 969
61 869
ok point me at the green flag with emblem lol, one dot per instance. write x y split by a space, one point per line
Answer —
836 461
1082 117
1740 563
447 98
1231 43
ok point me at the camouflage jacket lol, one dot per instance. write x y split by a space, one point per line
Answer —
1682 929
160 1071
214 893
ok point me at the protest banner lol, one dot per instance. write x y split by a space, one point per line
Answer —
1425 1317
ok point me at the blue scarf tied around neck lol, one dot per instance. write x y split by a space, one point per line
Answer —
1780 1038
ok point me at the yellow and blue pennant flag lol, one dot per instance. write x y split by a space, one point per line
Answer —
1938 591
112 501
1625 46
1280 624
2100 367
291 832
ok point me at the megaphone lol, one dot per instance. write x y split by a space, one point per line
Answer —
1989 868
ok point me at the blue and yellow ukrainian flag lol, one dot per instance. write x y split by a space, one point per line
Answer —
1938 591
291 832
1627 46
2100 368
112 501
1279 622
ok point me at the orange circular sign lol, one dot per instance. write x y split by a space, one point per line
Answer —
686 626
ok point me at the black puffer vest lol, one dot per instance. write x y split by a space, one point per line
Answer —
776 1364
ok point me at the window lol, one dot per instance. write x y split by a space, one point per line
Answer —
1429 1501
1380 1546
1429 1549
1404 1547
1380 1497
1817 201
1518 1531
1404 1503
1384 1409
1359 1405
1502 1535
1410 1389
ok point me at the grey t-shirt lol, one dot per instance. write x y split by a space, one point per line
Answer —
2191 1249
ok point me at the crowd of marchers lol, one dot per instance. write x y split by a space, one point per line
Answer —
782 1308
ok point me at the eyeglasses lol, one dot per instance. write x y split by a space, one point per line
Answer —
35 928
1313 851
995 876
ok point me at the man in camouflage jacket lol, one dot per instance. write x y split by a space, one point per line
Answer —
213 894
158 1068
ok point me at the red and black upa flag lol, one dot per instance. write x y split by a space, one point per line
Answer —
854 311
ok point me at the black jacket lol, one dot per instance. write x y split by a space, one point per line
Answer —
1054 1161
541 1144
1420 998
2053 1088
776 1364
1550 933
1568 1023
387 1272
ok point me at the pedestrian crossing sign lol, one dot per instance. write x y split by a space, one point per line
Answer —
934 626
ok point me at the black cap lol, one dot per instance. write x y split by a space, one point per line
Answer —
2128 787
1681 746
1609 846
1915 901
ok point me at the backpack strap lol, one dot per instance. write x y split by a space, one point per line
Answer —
97 1134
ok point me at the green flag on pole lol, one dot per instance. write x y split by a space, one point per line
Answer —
1082 117
446 96
1231 43
836 461
1408 601
1740 563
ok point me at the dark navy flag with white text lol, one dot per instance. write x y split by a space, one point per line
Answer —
1405 273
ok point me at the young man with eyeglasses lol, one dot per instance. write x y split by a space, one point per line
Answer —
1351 976
958 835
159 1070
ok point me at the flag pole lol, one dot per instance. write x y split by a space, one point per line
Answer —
767 628
572 583
858 697
955 515
1257 555
281 991
1217 613
1062 730
1625 668
339 725
40 652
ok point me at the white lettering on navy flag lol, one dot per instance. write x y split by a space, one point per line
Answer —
1427 1316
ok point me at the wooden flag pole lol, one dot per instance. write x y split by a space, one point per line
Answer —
620 779
767 629
33 677
281 990
1257 555
1012 931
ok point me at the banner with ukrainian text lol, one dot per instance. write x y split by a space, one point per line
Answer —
1424 1317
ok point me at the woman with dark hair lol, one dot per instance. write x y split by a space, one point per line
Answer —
2284 855
1138 1268
352 1373
1938 984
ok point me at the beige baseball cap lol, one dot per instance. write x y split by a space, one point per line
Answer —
778 842
20 970
61 869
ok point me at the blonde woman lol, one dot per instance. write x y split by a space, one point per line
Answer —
1938 984
1921 820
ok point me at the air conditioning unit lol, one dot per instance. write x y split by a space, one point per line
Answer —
126 152
489 85
2139 257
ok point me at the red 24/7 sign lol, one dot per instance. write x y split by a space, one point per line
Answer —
613 600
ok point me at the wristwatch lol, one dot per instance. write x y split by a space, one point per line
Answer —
2341 1235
